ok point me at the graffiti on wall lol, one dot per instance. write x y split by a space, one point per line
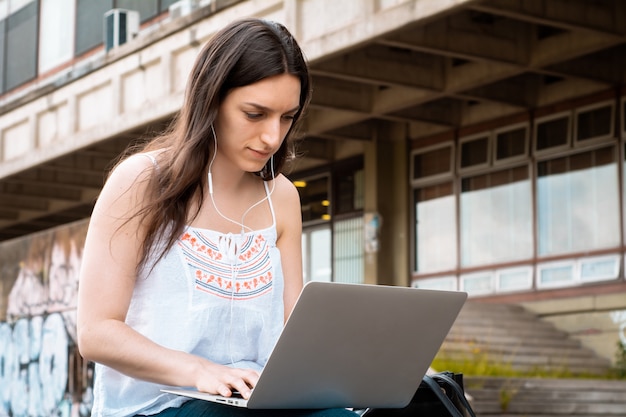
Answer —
41 371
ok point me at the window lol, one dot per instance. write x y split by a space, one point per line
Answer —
496 217
556 274
552 133
431 163
514 279
314 198
447 283
474 152
577 202
624 117
435 228
56 33
21 46
90 23
594 123
348 250
332 240
479 283
599 268
349 191
511 144
147 8
316 253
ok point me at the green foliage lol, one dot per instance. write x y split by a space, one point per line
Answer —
481 363
620 361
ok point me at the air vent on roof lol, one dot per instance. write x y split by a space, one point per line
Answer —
120 26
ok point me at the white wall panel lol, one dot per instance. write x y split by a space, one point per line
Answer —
16 140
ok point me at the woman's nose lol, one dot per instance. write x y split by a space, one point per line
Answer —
271 134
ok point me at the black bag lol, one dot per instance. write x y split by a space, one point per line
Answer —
439 395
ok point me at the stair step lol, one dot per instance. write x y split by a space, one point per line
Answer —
511 336
545 397
497 349
506 339
512 325
552 409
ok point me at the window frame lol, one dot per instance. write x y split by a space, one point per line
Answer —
417 182
553 149
488 134
516 158
596 139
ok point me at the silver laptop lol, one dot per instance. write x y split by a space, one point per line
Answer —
351 346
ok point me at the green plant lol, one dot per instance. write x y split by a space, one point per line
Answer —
506 396
620 361
481 363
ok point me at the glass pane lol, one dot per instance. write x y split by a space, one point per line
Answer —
474 152
435 228
2 54
21 46
349 191
314 197
577 203
594 123
317 258
496 217
56 33
514 279
510 144
147 8
165 4
437 161
552 133
348 251
90 23
624 116
557 275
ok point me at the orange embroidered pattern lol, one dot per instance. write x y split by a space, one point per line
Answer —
227 265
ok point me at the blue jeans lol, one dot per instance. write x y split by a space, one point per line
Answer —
201 408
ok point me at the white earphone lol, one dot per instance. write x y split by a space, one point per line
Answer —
210 181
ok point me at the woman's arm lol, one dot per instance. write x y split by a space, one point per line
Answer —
107 278
289 227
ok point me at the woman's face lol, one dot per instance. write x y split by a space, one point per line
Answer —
253 120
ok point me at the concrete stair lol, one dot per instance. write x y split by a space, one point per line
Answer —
510 338
509 397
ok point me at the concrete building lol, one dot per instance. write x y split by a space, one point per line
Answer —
474 145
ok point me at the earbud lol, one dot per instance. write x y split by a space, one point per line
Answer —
210 181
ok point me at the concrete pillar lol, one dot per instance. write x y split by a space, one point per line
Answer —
386 194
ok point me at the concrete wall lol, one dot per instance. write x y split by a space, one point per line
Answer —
598 321
41 372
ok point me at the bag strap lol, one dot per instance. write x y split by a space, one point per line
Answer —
443 398
457 390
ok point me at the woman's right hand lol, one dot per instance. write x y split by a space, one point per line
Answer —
223 380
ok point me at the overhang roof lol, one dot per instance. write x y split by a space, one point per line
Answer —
477 62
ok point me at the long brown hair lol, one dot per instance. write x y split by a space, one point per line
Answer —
244 52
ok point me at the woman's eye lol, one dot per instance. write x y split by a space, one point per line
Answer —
254 115
289 117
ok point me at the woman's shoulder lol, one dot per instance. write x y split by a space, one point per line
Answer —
286 202
134 167
285 191
132 174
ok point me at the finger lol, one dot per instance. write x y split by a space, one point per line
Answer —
224 390
247 381
243 388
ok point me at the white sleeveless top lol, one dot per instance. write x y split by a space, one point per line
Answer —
215 295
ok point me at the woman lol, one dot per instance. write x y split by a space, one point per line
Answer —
192 261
